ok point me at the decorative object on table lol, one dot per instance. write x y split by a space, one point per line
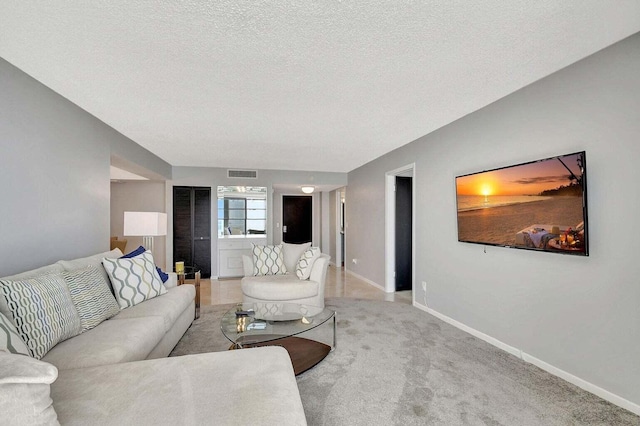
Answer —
179 267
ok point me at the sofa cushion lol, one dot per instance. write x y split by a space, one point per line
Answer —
169 306
25 392
42 311
267 260
10 340
291 254
91 296
305 264
279 287
134 280
111 342
244 387
94 260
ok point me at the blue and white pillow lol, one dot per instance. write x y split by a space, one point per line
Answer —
137 252
134 280
42 311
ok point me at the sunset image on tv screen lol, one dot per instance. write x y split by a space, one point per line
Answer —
538 205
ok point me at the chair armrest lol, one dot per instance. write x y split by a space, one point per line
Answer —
247 265
319 269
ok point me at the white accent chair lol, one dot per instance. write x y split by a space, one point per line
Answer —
287 288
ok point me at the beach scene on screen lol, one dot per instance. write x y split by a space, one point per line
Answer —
515 205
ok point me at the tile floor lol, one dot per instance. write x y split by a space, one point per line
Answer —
339 284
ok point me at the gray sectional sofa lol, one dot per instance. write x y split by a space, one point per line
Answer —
117 373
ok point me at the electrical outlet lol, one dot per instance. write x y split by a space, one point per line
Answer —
354 261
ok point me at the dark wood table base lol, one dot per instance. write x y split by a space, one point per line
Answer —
304 353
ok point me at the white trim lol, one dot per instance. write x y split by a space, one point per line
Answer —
583 384
495 342
390 241
390 231
368 281
338 230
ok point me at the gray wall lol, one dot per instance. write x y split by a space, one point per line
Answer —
212 177
144 196
54 175
580 315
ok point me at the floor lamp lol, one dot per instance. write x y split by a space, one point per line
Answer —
146 225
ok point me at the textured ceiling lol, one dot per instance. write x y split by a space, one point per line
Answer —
300 85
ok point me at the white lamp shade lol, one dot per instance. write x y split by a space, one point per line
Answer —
308 189
145 224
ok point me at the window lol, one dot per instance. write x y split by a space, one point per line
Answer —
241 213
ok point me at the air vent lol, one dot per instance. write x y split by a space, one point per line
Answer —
245 174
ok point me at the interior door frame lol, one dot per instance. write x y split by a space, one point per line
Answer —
390 229
341 232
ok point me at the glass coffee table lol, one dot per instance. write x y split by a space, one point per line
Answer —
307 333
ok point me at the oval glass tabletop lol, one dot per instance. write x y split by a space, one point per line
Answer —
260 322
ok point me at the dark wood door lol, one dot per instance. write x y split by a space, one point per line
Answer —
192 227
403 233
296 219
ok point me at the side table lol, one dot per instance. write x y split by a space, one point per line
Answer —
190 270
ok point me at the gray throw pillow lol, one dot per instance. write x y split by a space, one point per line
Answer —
42 311
91 296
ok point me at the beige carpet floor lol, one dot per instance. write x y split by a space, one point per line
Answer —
397 365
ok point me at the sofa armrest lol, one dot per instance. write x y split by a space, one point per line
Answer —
247 265
172 281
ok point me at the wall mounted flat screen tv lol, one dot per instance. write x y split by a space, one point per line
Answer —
540 205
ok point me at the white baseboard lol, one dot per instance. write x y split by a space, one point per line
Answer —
368 281
495 342
589 387
583 384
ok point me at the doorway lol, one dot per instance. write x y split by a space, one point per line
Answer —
404 239
342 210
192 227
400 229
297 219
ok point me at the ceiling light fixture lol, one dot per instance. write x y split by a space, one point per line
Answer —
308 189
